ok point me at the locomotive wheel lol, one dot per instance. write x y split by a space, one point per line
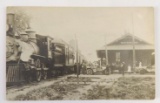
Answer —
45 74
72 69
38 75
107 72
89 72
29 79
54 73
60 73
28 76
66 71
44 71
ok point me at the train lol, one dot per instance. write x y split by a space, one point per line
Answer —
32 56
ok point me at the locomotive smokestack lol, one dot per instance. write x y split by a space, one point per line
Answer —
10 24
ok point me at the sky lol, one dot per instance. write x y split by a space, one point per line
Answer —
93 26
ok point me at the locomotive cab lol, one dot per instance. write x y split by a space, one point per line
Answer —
43 57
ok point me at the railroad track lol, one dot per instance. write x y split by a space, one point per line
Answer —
22 84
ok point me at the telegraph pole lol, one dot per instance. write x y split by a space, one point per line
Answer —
106 51
77 59
133 43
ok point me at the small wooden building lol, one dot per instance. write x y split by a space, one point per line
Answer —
122 50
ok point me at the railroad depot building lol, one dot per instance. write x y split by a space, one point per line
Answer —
122 50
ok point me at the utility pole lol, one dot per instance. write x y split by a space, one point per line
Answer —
106 52
77 59
133 43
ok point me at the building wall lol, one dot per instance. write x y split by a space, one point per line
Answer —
126 56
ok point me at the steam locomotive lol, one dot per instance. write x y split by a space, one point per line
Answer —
33 56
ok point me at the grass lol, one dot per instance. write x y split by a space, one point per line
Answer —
53 92
125 88
81 79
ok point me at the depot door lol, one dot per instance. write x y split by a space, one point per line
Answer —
117 56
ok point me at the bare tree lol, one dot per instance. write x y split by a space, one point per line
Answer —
22 21
19 22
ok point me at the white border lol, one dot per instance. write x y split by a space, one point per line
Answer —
80 3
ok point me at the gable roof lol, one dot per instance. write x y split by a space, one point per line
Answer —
127 39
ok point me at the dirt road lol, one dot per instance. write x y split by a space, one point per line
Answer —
11 93
106 80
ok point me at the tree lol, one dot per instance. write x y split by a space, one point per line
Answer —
22 21
17 21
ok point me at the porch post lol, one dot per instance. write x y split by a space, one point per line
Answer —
106 55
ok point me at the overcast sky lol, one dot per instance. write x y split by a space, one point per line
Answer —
91 25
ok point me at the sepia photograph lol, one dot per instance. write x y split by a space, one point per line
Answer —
80 53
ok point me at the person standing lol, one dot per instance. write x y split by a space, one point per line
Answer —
129 69
75 68
123 68
140 64
83 68
80 69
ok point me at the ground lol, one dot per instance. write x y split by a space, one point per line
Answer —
88 87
